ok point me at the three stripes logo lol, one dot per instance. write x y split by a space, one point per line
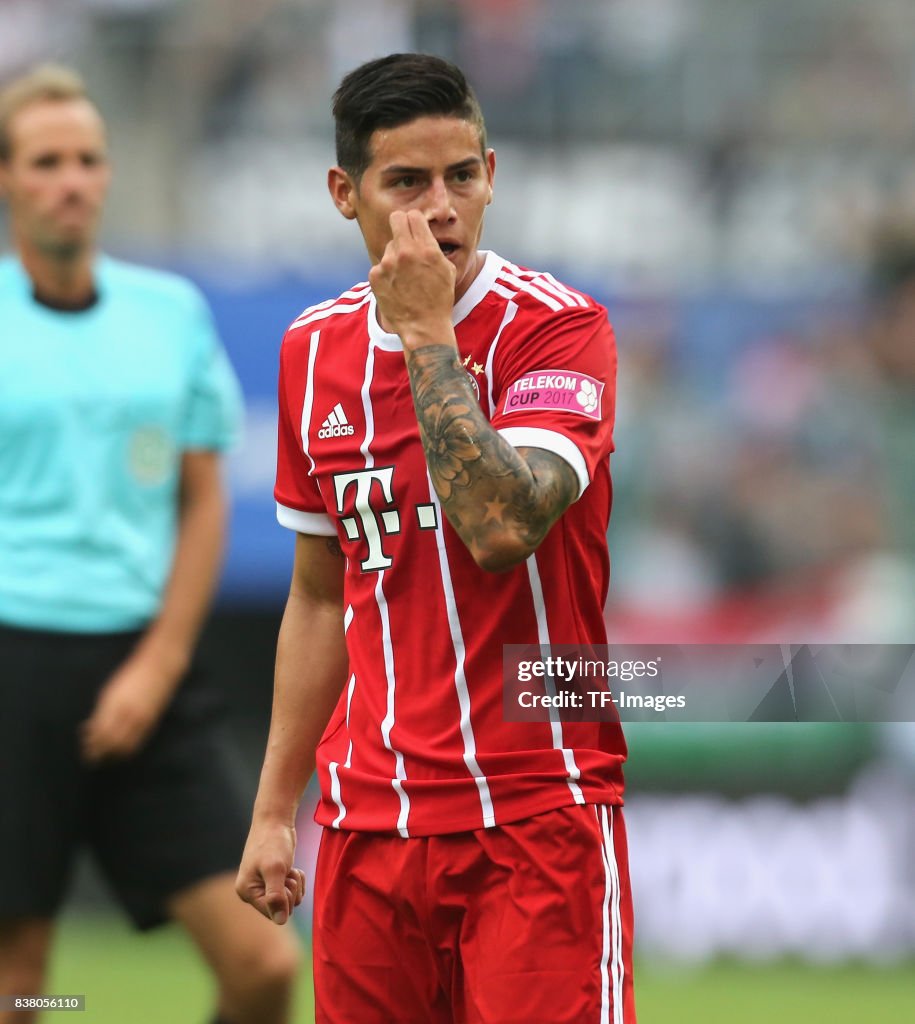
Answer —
336 424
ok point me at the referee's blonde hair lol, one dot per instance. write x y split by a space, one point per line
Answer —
52 82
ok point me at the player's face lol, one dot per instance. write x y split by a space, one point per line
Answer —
57 175
431 164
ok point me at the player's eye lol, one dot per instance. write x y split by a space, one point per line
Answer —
406 181
46 161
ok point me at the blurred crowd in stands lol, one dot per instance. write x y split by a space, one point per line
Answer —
724 175
765 484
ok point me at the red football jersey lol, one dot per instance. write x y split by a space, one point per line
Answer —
418 743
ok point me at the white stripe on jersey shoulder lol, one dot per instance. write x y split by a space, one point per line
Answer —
547 282
506 293
544 287
347 302
507 277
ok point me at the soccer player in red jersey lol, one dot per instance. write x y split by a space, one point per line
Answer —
444 438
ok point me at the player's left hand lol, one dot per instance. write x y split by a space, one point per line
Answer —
414 283
127 709
267 876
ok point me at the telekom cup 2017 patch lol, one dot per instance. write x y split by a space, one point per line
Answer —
555 390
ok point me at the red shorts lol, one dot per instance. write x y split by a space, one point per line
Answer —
529 922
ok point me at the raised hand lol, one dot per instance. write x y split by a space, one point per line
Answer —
414 283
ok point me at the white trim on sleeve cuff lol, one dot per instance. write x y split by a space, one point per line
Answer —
550 441
318 523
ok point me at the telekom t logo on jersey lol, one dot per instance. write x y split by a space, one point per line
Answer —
374 487
373 524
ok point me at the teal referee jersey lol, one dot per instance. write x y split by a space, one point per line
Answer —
96 409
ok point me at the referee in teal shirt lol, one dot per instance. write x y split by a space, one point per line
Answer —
116 400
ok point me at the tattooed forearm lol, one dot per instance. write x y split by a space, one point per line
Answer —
451 423
501 500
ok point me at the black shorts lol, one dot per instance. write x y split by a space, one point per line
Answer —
157 822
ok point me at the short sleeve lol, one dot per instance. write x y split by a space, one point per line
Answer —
214 411
299 505
555 380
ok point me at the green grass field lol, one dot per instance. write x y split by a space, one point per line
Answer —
158 979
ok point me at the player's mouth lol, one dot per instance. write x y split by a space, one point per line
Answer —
448 248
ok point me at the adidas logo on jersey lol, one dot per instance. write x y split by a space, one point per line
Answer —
336 424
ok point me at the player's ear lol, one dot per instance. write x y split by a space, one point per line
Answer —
343 191
490 155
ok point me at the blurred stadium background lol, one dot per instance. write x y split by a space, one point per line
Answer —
735 180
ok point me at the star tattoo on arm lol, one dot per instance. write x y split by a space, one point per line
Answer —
502 501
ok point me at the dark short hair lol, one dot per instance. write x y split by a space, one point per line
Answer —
394 90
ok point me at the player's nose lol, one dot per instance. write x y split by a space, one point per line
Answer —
438 205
